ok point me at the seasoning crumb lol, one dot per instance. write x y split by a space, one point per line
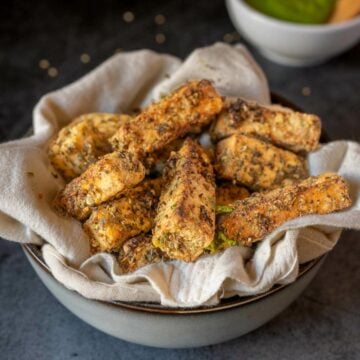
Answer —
118 50
128 16
228 38
30 174
40 196
160 38
85 58
53 72
44 64
306 91
159 19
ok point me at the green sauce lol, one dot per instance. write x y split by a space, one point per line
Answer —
298 11
220 242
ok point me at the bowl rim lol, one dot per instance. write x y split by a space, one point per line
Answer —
288 25
34 252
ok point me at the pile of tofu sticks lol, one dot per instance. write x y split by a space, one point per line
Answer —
146 190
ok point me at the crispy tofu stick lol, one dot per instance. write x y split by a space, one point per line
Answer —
281 126
185 222
82 142
108 177
257 164
158 159
228 193
138 252
111 224
187 109
257 216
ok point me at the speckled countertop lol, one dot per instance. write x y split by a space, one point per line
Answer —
74 37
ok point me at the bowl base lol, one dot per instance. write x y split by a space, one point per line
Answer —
172 328
288 60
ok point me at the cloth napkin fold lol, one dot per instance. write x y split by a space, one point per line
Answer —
124 82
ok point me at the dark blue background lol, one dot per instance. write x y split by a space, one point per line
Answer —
323 323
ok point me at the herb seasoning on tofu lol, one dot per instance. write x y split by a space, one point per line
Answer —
256 216
145 191
185 222
187 109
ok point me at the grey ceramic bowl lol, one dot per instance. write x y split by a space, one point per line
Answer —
155 325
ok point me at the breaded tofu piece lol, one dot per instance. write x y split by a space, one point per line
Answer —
111 175
82 142
185 221
281 126
257 164
112 223
138 252
187 109
255 217
228 193
158 159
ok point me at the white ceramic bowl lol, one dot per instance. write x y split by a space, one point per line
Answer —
290 43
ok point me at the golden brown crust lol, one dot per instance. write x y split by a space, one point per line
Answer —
138 252
111 224
283 127
111 175
160 157
257 164
185 221
82 142
190 107
228 193
120 210
255 217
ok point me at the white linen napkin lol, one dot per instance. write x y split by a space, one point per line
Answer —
124 82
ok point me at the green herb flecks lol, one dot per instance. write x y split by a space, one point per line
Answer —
223 209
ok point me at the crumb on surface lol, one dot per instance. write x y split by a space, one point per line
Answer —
159 19
306 91
160 38
53 72
128 16
44 64
85 58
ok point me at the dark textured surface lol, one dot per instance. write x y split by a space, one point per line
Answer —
324 323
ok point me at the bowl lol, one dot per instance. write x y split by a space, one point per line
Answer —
159 326
289 43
